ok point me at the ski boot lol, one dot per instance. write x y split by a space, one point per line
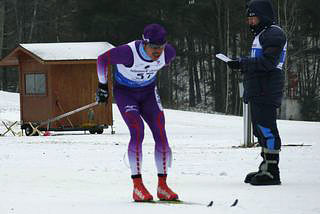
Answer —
268 171
164 193
140 192
252 174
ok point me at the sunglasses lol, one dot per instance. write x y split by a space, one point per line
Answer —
154 46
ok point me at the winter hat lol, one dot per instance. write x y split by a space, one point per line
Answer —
263 9
154 34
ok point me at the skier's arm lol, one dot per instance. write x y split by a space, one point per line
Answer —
119 55
169 53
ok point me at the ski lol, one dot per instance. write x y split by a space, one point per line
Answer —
170 202
178 202
173 202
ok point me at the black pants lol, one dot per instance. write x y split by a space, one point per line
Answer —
264 121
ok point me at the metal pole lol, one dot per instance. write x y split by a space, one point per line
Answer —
247 130
247 127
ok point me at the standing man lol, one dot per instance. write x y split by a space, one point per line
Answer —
135 92
263 87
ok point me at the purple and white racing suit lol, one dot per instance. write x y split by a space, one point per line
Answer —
136 96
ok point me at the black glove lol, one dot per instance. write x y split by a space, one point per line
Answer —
102 93
234 64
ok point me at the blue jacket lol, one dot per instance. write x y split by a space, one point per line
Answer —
263 74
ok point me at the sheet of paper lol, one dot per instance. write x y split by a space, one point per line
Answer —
223 57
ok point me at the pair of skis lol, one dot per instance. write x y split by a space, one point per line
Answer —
210 204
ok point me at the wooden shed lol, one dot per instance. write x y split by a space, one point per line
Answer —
55 78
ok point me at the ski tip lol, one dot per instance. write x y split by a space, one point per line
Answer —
234 203
210 204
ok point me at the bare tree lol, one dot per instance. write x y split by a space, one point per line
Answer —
2 20
33 19
3 82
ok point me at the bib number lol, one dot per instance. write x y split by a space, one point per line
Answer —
143 76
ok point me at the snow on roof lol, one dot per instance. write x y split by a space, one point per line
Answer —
68 50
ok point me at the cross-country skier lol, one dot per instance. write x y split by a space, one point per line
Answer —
135 92
263 87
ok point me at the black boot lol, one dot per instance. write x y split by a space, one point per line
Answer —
252 174
249 176
269 171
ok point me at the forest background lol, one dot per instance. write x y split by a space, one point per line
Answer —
198 29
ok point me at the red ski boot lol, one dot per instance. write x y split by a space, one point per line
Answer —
164 193
140 193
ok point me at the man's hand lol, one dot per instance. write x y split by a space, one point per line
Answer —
234 64
102 93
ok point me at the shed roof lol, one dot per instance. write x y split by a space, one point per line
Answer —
67 52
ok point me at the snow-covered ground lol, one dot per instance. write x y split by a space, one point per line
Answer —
77 173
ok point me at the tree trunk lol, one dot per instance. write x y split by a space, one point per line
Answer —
227 48
33 20
196 79
211 72
203 69
5 79
175 83
220 90
4 82
190 45
2 20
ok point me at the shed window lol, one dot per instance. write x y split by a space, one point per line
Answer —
36 84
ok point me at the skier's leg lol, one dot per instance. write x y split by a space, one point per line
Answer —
152 113
130 113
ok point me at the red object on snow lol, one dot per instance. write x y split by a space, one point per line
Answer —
47 133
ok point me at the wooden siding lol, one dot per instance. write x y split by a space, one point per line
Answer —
33 107
68 87
74 86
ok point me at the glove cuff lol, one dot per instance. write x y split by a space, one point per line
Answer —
103 86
